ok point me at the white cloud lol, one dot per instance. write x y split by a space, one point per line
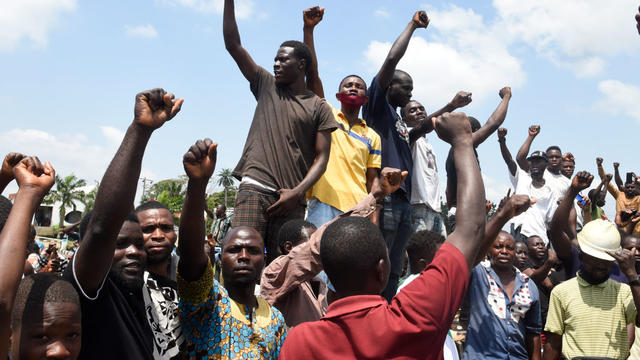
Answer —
382 12
494 190
467 54
571 33
30 19
619 98
244 8
141 31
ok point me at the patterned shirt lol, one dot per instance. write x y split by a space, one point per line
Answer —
217 327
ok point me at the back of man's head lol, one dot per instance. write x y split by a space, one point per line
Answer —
350 249
421 248
294 232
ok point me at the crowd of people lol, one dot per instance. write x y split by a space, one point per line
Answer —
337 247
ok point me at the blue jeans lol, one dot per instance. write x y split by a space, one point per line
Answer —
395 223
425 218
319 213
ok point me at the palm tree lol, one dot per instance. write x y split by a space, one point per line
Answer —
225 179
89 199
67 193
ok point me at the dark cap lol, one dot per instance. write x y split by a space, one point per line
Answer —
538 154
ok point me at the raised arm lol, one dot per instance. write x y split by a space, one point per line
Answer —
385 75
510 207
626 259
34 181
232 42
540 274
290 197
495 120
616 174
199 163
521 156
117 190
461 99
311 17
610 187
557 234
467 237
506 154
6 172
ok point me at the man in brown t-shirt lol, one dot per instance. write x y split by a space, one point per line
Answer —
288 145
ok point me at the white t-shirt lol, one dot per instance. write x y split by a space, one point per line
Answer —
534 221
559 183
424 179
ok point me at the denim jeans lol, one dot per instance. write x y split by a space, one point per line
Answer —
319 213
425 218
395 223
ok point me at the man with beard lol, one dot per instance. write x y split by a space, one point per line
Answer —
230 321
288 145
160 290
108 267
589 314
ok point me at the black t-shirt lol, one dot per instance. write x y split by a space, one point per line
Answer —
114 325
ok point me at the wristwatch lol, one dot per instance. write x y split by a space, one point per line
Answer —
635 282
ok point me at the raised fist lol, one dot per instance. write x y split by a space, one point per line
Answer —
505 91
515 205
616 165
461 99
599 161
534 130
312 16
31 174
451 127
12 159
502 133
200 161
391 179
155 107
420 19
581 181
608 177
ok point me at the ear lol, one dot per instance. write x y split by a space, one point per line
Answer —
288 246
302 64
422 263
382 274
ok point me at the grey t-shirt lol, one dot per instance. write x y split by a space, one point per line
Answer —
280 147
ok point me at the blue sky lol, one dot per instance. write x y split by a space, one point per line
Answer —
71 69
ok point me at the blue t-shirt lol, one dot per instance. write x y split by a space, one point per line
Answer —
384 119
497 326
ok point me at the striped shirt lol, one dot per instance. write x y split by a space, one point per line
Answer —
592 319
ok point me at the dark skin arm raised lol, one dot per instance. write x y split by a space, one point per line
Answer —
626 260
311 17
117 190
521 156
399 47
289 198
199 163
6 172
506 154
495 120
540 274
461 99
232 42
557 234
34 181
617 177
454 129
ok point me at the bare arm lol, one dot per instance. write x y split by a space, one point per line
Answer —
552 347
399 47
616 174
117 190
461 99
510 207
454 129
626 261
521 157
6 172
533 346
495 120
506 154
34 182
312 17
199 163
558 237
232 42
540 274
290 197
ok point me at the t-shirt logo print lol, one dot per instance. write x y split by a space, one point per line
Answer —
401 128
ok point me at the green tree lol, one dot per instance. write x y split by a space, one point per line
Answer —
67 193
226 180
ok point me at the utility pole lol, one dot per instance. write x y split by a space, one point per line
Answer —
144 185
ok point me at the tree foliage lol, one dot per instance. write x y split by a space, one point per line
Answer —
67 193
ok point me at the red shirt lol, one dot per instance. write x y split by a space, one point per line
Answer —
413 326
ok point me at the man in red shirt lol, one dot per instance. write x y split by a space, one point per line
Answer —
360 323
